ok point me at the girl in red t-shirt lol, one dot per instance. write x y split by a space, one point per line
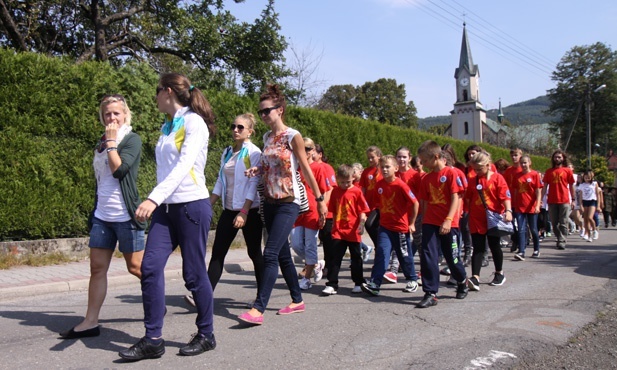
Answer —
527 198
497 197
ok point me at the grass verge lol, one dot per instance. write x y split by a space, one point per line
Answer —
55 258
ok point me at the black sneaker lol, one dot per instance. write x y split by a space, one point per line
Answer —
143 350
499 279
519 256
561 246
536 254
370 288
445 271
428 301
461 290
473 284
198 345
485 261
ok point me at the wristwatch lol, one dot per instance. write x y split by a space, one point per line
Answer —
319 198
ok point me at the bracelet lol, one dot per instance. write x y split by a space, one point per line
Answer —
110 149
509 210
449 218
114 140
242 210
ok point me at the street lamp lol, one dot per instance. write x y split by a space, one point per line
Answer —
588 106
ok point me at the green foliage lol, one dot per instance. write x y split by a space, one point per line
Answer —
578 74
382 101
599 166
49 125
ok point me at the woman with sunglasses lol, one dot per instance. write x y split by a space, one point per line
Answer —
282 154
181 215
238 194
116 163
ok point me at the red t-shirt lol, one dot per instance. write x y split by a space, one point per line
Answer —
436 190
395 203
495 192
369 178
310 219
524 192
347 206
510 175
330 179
406 176
415 181
558 180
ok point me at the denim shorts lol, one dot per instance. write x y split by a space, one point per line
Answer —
107 234
590 203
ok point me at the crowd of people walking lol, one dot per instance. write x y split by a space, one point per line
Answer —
287 194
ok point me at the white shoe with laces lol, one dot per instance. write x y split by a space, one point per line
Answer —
595 234
329 291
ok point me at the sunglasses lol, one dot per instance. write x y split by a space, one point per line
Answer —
266 111
113 96
159 89
308 149
234 126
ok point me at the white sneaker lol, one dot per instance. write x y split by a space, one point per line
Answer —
305 284
329 290
319 270
595 234
411 287
583 233
367 253
357 289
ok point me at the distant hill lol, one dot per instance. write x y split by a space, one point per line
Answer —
524 113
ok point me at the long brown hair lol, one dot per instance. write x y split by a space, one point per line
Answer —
190 96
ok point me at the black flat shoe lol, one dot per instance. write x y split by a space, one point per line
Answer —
72 334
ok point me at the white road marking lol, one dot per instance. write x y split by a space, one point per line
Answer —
486 361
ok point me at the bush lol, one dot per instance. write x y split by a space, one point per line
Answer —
49 125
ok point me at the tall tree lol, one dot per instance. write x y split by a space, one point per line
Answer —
582 70
194 34
338 99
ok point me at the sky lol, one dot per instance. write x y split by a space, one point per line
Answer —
516 44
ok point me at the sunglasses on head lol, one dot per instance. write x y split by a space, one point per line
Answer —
113 96
234 126
266 111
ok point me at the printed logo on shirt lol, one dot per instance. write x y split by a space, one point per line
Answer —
528 179
442 179
479 187
380 191
370 177
508 193
459 182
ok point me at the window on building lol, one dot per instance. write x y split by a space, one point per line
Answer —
465 95
466 128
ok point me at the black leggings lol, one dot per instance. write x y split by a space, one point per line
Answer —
479 247
225 234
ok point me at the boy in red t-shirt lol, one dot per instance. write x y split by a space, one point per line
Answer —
349 211
398 208
440 193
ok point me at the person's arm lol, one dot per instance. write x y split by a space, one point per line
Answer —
538 200
413 215
508 206
120 163
446 226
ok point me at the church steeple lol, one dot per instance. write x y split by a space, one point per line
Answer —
465 60
500 115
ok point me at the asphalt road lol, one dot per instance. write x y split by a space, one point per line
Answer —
542 304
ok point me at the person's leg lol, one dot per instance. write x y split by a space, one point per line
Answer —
310 252
563 210
466 236
339 247
279 220
383 249
532 222
162 240
493 244
225 234
296 237
356 262
252 231
553 213
100 259
450 249
521 220
403 249
192 224
325 235
429 259
479 247
394 263
373 228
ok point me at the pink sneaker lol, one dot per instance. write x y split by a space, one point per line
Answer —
253 320
289 310
390 277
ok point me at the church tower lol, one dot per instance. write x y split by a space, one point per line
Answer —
468 115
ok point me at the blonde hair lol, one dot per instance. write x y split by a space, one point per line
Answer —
388 157
249 118
115 98
308 142
481 158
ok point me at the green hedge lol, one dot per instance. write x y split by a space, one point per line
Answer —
49 125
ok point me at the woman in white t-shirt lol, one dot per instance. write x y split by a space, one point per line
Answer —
588 195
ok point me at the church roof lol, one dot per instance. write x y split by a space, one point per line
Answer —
466 61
